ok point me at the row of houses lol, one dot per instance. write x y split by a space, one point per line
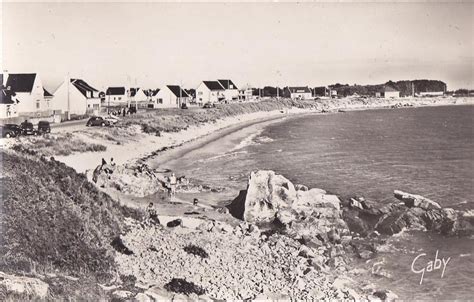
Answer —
23 94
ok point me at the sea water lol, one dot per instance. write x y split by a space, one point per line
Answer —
427 151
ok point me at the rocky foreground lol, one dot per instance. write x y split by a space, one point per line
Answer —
292 242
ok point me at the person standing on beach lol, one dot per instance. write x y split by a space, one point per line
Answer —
173 181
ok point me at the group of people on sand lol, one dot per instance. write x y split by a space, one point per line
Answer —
152 216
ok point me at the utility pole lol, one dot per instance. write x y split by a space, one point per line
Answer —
68 101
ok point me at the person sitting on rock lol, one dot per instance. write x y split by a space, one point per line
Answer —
195 201
152 215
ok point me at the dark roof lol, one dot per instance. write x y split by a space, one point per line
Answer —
83 87
21 82
133 91
153 91
115 91
299 90
213 85
46 93
227 83
176 91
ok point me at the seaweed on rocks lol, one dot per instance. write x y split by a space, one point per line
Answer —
120 247
181 286
196 250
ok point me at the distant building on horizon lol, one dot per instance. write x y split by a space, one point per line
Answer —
298 93
388 92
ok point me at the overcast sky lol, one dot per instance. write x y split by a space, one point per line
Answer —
154 44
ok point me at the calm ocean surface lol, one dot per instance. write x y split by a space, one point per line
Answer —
427 151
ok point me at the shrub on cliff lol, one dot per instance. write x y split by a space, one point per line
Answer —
52 218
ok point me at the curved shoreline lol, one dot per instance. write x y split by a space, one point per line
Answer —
175 152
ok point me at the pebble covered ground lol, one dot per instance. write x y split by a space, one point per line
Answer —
242 263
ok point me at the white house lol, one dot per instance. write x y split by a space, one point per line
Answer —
138 95
300 93
7 104
210 92
151 96
170 96
75 96
390 93
116 96
29 93
231 92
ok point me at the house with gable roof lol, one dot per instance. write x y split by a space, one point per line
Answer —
28 90
298 93
388 92
170 96
76 96
116 96
209 92
231 92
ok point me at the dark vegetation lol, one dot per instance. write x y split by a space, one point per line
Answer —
196 250
53 220
181 286
405 87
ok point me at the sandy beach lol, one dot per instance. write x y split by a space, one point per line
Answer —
145 145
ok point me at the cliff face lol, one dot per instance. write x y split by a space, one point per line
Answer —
53 218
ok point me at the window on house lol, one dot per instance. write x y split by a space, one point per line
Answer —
88 105
199 92
37 104
160 101
119 98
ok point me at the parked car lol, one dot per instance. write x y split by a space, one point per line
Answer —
8 131
44 127
209 105
184 106
15 128
28 128
112 119
97 121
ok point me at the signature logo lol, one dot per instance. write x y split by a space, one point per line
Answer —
420 266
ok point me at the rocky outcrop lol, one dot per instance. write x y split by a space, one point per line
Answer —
266 194
418 201
269 196
136 180
416 212
22 287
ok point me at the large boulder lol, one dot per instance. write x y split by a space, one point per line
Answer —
269 196
266 194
